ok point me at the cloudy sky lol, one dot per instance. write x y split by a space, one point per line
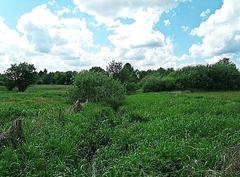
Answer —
78 34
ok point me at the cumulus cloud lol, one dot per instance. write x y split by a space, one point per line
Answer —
12 45
185 28
205 14
111 9
220 33
46 31
167 22
51 40
64 10
47 40
138 41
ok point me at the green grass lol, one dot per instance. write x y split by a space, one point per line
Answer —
152 134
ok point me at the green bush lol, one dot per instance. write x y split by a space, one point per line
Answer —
1 83
1 80
97 87
156 84
131 87
223 75
143 81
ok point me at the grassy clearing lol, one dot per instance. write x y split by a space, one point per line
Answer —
154 134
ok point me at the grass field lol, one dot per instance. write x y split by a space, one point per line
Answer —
153 134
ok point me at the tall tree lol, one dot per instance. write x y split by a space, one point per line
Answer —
114 69
97 69
127 74
20 76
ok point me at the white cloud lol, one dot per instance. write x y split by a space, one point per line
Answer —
64 10
47 40
112 9
137 41
50 40
42 26
205 14
12 45
52 2
167 22
185 28
220 32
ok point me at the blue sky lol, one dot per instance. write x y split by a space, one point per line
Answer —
186 14
79 34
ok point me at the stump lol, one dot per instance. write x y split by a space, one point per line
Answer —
78 106
14 134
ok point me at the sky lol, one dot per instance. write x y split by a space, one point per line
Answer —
79 34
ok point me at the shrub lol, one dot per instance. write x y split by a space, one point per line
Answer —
219 76
143 81
1 80
97 87
1 83
170 83
131 87
156 84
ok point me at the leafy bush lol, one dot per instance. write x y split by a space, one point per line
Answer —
143 81
219 76
131 87
156 84
97 87
1 80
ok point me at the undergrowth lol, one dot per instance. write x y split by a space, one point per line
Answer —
152 134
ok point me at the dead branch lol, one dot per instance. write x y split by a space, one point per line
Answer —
14 134
78 106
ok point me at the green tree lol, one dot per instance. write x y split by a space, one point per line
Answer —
1 79
225 76
114 68
222 75
20 76
98 69
127 74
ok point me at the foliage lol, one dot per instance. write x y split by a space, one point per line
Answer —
97 87
20 76
152 134
127 74
58 78
156 84
98 70
159 72
131 87
1 80
114 68
220 76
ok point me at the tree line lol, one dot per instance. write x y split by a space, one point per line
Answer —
223 75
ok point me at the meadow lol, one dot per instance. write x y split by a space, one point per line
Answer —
151 134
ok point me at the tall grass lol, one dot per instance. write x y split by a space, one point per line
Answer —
152 134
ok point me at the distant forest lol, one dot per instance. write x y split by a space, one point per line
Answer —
223 75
